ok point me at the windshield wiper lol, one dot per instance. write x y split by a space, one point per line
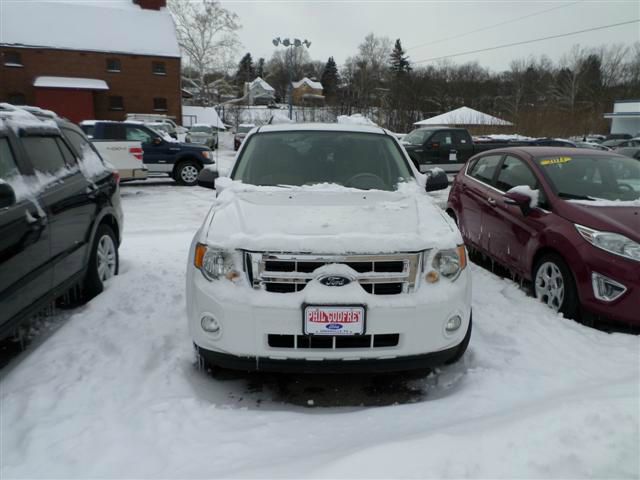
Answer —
573 196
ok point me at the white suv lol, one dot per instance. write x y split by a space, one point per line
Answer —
324 253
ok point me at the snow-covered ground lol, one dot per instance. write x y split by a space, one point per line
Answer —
114 392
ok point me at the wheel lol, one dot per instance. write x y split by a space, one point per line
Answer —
554 285
103 263
187 173
463 346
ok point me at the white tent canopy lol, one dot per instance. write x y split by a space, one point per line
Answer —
464 116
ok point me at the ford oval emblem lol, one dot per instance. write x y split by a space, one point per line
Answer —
335 281
334 326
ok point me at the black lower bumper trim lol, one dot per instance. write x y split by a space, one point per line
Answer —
265 364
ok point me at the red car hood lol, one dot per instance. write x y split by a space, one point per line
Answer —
624 220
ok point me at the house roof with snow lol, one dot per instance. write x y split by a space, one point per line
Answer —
207 115
263 84
117 26
308 82
464 116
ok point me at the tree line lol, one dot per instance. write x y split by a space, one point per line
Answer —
541 97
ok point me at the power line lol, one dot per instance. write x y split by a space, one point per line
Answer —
528 41
493 26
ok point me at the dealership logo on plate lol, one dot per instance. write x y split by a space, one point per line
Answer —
335 281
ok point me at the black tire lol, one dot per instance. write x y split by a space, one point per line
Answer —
186 173
570 304
463 346
93 283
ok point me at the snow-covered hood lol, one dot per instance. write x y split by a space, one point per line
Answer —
327 219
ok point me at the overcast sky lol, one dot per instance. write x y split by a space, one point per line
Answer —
337 28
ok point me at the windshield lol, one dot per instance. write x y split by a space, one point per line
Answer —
417 137
160 127
201 129
245 128
597 177
358 160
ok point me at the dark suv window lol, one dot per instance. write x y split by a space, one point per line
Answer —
8 167
44 153
138 134
113 131
514 172
484 168
443 138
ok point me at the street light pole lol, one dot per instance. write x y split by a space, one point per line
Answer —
290 45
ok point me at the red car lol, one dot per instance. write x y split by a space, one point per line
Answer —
566 219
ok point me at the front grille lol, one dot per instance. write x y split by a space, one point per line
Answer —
377 274
332 342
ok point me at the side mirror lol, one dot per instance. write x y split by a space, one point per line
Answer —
157 141
7 195
436 180
207 178
519 199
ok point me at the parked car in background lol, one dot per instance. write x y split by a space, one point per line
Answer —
632 142
614 143
592 146
568 220
60 215
633 152
162 155
445 148
203 134
125 155
241 132
552 142
286 275
171 126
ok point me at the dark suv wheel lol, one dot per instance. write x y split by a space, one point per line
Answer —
187 173
103 263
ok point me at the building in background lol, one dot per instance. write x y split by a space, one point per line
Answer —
96 60
259 92
307 92
625 117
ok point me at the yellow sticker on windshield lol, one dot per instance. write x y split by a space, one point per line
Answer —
555 161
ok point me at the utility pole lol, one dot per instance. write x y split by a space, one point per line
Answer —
291 45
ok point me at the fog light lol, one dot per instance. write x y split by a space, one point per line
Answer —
606 289
453 324
210 324
432 276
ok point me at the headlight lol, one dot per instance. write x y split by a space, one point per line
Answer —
449 263
611 242
206 153
215 263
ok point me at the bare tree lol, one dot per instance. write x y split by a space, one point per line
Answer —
570 75
206 33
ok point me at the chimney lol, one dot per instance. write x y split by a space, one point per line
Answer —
151 4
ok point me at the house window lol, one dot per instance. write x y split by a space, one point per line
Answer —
116 103
12 59
17 98
113 65
160 104
159 68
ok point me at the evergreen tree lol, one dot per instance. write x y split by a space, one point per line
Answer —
246 72
330 79
260 68
399 62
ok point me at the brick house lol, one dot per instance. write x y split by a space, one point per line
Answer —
307 92
90 60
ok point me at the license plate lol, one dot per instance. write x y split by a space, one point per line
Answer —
334 320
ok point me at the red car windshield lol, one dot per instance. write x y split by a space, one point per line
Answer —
593 177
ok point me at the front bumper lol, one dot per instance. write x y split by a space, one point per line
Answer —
626 308
249 318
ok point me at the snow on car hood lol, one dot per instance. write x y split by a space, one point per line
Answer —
327 219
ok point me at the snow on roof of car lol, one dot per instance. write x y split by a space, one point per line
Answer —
71 82
325 127
20 119
89 26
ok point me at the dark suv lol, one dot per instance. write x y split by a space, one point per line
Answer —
60 214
